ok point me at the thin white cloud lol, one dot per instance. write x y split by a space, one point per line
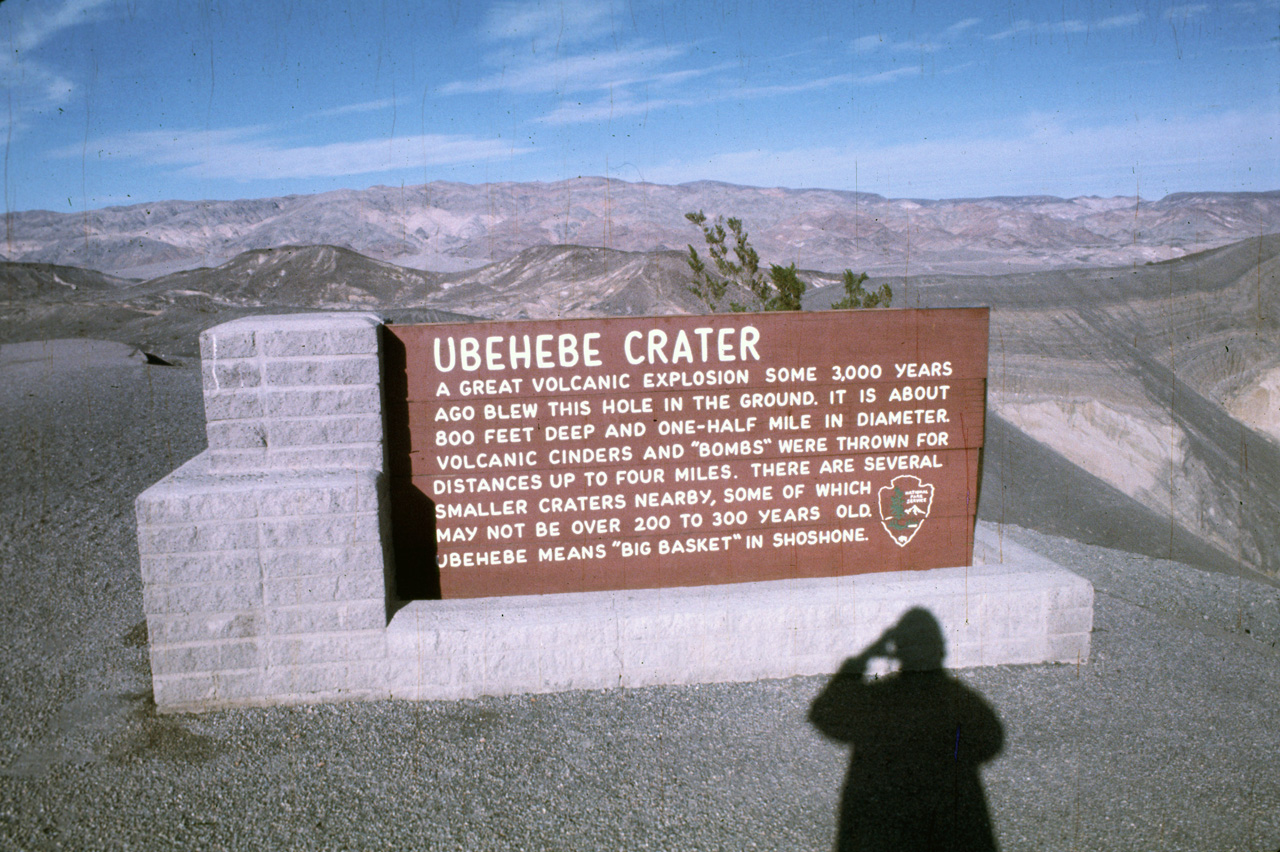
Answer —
924 44
888 76
1043 155
38 85
1014 29
547 24
610 108
35 30
250 153
1070 26
868 43
578 73
622 103
1116 22
606 80
366 106
960 26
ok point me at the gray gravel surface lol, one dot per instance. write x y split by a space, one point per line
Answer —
1168 738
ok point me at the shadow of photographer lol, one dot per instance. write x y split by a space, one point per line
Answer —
918 737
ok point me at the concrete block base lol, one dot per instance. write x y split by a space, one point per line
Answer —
263 588
1012 606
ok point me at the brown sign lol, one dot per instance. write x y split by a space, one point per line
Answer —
581 455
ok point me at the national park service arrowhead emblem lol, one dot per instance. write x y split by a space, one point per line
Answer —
904 505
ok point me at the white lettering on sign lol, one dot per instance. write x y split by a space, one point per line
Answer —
543 351
657 347
659 443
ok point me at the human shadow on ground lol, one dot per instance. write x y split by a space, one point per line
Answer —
918 737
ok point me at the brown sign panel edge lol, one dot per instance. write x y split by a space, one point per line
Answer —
569 480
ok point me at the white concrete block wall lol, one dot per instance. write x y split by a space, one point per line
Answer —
294 391
262 588
1020 610
266 575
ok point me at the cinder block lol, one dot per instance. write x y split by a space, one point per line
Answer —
338 370
175 629
305 649
320 402
964 655
304 562
225 341
1069 648
236 434
519 669
1070 621
239 687
183 505
221 375
1068 596
288 493
562 669
222 567
353 457
178 692
206 657
356 585
327 617
1015 651
739 632
325 431
184 659
408 638
233 405
457 640
1006 616
401 680
318 530
658 625
197 537
246 654
162 598
328 496
320 321
328 682
342 340
828 644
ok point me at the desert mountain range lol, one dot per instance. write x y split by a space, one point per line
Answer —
1134 381
448 227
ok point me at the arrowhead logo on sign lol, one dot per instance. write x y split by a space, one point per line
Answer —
904 505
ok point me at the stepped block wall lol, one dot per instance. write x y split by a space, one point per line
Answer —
267 569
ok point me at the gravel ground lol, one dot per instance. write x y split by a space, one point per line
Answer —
1168 738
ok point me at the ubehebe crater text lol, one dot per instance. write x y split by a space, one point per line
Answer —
582 455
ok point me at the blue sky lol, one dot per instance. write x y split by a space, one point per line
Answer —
122 101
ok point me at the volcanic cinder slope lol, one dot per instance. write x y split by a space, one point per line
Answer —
1154 381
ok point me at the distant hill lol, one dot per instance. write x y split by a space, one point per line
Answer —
46 282
550 282
448 227
311 276
166 315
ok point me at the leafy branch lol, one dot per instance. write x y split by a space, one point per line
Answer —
737 268
856 296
